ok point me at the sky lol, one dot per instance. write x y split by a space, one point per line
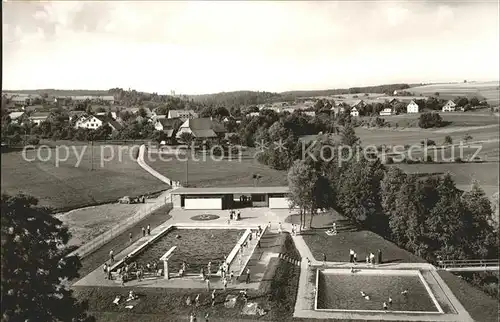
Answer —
205 47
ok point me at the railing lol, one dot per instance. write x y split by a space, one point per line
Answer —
467 263
101 240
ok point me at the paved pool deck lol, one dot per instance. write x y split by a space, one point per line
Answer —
251 218
306 294
304 305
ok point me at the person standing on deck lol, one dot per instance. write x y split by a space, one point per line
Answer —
231 276
213 297
130 237
208 284
248 276
149 230
111 256
143 232
351 256
379 256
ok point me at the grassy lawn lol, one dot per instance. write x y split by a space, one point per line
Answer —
277 293
212 173
480 306
342 291
462 173
336 248
87 223
70 184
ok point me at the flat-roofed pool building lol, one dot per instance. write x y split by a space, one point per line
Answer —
230 197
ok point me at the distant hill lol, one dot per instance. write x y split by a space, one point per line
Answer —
227 99
239 98
60 92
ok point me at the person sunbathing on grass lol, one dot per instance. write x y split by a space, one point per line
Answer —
131 296
117 300
363 294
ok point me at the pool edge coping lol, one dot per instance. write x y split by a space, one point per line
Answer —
408 273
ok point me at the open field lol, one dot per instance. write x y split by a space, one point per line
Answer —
481 126
71 184
401 137
486 90
342 291
212 173
481 117
276 293
196 247
87 223
336 248
462 173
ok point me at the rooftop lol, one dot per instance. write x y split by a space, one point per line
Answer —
229 190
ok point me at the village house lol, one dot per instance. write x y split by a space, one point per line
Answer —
182 114
393 101
114 125
202 128
386 112
88 122
16 116
39 117
450 106
359 104
412 108
73 115
92 122
354 112
169 127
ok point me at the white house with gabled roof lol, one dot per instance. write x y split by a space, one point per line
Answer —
412 108
450 106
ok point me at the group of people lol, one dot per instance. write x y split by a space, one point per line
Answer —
385 305
294 230
146 230
175 184
234 215
333 230
370 258
130 270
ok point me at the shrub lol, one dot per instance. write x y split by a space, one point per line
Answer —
448 140
429 159
430 120
459 160
33 141
427 142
